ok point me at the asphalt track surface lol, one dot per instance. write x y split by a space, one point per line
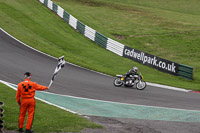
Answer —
16 59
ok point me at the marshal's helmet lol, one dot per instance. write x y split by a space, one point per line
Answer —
27 74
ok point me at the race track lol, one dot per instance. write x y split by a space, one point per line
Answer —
16 59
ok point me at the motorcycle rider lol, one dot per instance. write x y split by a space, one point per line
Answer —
131 72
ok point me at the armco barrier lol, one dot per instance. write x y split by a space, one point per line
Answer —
46 2
185 71
81 27
115 47
50 4
66 16
101 39
55 8
90 33
60 12
118 48
72 21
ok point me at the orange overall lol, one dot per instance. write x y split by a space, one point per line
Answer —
26 91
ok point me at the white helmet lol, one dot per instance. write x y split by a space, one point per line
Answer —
135 69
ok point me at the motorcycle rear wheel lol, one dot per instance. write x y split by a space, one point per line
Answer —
117 82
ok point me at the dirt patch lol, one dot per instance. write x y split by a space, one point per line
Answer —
92 3
148 44
119 37
112 125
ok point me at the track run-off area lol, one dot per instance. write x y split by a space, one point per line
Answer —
89 93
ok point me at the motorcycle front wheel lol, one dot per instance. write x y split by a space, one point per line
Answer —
141 85
118 82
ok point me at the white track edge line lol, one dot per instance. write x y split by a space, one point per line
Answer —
168 87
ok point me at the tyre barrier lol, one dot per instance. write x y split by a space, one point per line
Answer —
1 117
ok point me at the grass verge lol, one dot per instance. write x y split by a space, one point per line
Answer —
47 118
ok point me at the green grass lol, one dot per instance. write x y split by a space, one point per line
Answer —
182 6
167 33
47 118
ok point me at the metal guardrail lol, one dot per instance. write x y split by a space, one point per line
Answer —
185 71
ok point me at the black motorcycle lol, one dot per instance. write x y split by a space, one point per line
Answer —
130 81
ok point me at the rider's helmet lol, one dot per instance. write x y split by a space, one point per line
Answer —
135 69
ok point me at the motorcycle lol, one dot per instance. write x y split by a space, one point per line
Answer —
130 81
